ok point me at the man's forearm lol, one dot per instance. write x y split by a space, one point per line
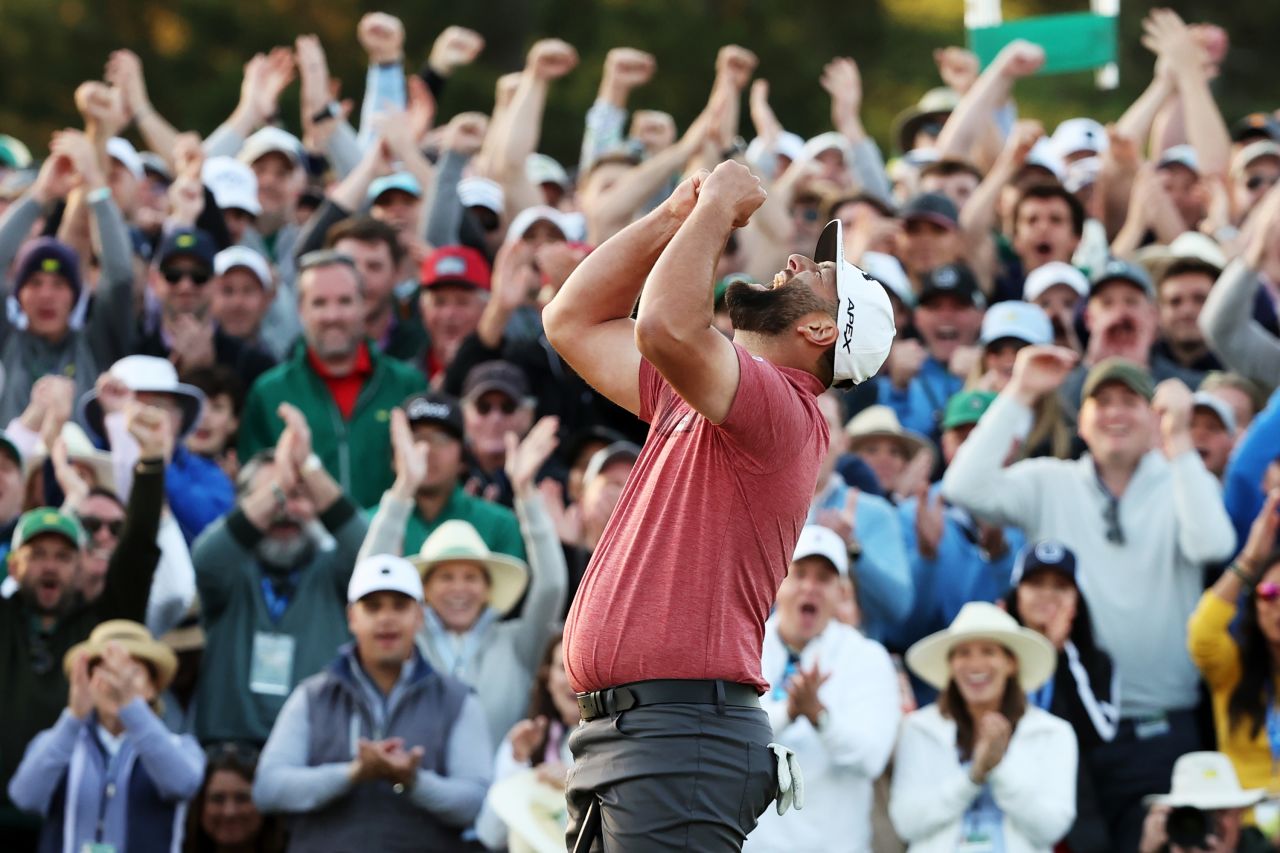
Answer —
1206 131
605 285
679 295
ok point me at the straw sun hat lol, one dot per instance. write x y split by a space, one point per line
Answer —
930 658
457 541
134 639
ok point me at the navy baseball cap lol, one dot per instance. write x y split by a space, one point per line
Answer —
192 242
932 207
1047 555
432 408
952 279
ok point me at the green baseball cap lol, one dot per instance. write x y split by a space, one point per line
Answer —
46 519
966 408
1130 374
13 154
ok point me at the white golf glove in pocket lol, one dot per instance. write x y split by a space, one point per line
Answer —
790 780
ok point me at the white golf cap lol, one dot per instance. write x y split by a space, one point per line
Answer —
122 151
1254 151
544 169
1079 134
234 257
864 315
829 141
271 140
476 191
1219 407
1044 277
888 270
233 184
818 541
1045 155
1021 320
539 213
384 573
1180 155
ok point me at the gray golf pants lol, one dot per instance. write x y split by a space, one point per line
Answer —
672 777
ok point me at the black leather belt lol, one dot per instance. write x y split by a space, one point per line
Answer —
613 700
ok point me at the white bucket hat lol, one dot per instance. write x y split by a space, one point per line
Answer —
79 449
930 658
458 541
1206 780
147 374
864 315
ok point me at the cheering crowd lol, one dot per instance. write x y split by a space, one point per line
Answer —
295 492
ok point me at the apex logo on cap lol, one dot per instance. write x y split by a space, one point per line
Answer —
451 266
1049 552
847 343
50 265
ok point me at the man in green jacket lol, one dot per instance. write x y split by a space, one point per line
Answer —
342 384
48 615
272 596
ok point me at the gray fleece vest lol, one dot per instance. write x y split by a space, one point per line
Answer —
372 816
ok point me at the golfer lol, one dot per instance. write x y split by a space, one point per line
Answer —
664 637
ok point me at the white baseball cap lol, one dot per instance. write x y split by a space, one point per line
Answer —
233 184
1254 151
271 140
1021 320
1044 277
242 256
818 541
544 169
829 141
539 213
1180 155
122 151
864 315
888 270
384 573
1219 407
1079 134
1045 155
476 191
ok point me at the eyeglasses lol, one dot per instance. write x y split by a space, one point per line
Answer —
1267 591
92 524
484 407
1257 182
173 275
1111 515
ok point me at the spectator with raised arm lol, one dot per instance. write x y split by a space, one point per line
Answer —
270 592
1140 499
470 588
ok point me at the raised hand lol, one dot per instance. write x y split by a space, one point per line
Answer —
1020 59
957 67
382 37
627 68
124 72
526 458
930 522
525 737
58 394
192 337
73 485
113 395
80 696
550 59
410 457
732 187
296 423
1262 534
186 203
906 357
265 77
313 69
402 764
454 48
117 680
843 82
843 521
735 65
149 426
802 694
991 739
1173 404
685 196
1039 370
102 108
1025 134
1166 35
82 154
420 111
465 133
57 177
762 114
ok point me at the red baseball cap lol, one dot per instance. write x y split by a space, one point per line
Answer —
455 265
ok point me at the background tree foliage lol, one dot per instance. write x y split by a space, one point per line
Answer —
193 51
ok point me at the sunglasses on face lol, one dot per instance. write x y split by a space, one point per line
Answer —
1267 591
173 275
92 524
1257 182
484 407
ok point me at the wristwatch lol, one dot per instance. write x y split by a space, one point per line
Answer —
329 111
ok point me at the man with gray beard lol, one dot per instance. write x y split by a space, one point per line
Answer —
272 577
